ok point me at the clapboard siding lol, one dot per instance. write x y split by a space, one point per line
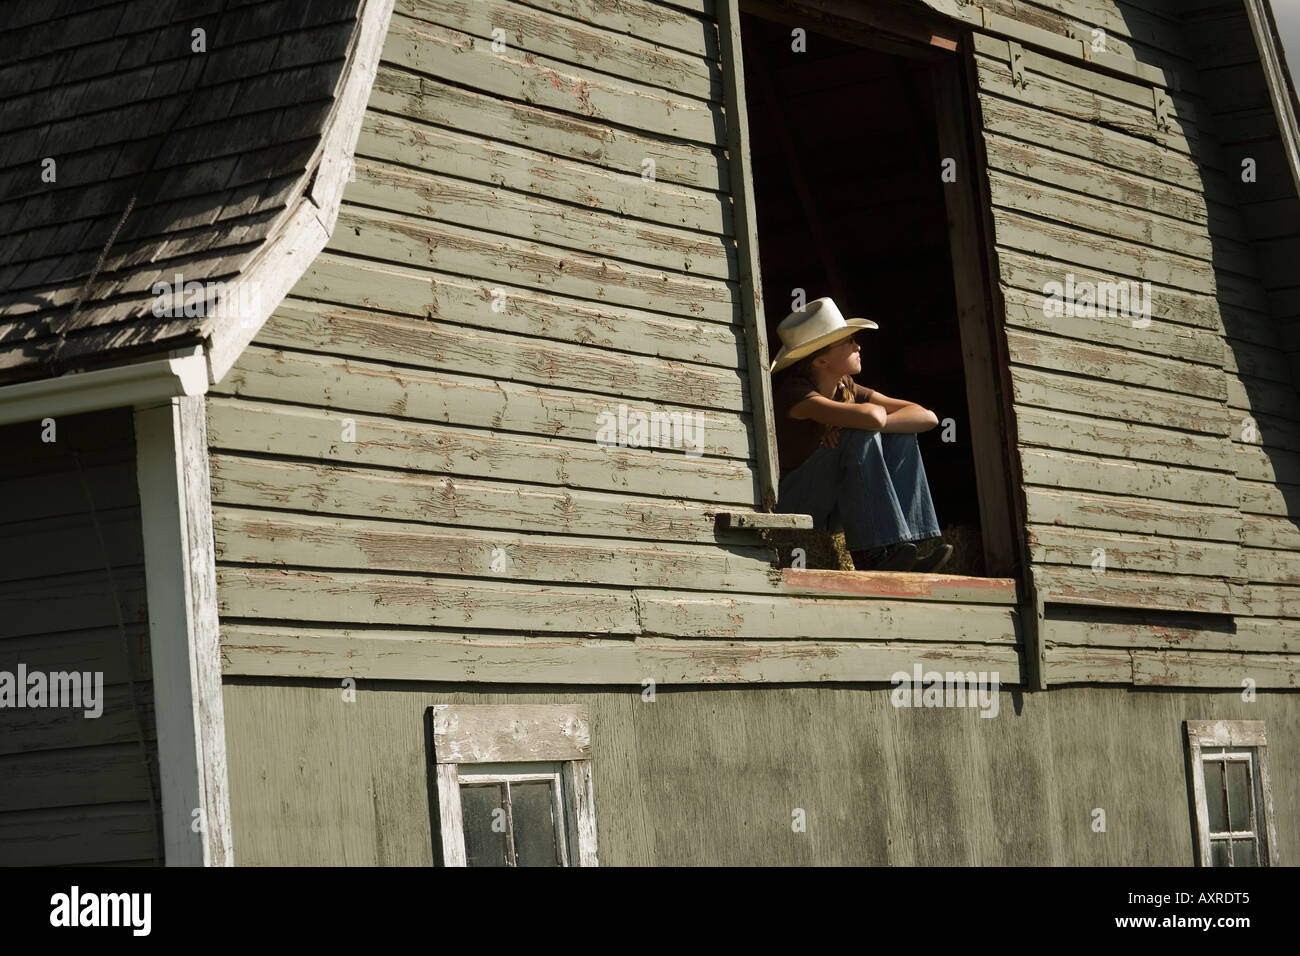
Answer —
1131 30
338 280
520 174
453 55
427 98
309 541
423 146
345 384
1134 417
74 789
1261 359
574 42
505 267
519 214
1176 496
422 344
357 491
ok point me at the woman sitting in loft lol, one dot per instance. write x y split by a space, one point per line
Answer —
848 455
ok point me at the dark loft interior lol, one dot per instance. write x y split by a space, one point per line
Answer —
849 200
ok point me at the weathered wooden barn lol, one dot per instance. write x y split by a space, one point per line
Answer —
385 417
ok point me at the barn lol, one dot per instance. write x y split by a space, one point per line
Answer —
387 429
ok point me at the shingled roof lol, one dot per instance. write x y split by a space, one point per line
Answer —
145 141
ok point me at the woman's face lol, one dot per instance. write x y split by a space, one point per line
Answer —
843 358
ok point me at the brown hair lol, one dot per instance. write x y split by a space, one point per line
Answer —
804 367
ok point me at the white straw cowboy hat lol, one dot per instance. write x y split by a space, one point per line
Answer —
818 325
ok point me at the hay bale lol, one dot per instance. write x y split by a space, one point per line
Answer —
822 551
828 553
825 551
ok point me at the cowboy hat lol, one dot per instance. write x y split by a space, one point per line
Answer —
816 326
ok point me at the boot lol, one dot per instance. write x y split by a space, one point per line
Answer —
897 557
935 560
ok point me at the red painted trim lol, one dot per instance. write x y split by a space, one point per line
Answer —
895 584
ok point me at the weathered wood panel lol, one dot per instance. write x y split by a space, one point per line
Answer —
455 56
1032 272
744 617
581 43
1165 591
516 734
411 241
525 215
945 775
1080 509
302 541
1078 548
1118 365
252 650
414 343
1173 632
421 601
426 98
349 385
1056 469
430 148
382 287
367 492
1173 668
1095 435
114 834
318 434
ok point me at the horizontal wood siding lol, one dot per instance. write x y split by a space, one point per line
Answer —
1166 450
76 789
1131 437
1262 354
473 506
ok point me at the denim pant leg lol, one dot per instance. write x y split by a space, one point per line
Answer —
870 484
911 487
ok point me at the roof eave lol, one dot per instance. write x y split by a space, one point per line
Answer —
182 372
307 226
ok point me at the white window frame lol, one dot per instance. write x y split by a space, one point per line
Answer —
481 743
1202 734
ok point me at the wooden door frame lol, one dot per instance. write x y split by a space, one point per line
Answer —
946 47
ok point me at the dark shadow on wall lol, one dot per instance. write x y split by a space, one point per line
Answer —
1254 229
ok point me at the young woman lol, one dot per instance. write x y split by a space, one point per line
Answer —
848 455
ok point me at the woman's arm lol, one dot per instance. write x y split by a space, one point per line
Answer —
904 417
819 408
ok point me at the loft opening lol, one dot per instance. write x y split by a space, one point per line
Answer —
847 139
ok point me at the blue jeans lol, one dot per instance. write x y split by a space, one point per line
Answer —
871 485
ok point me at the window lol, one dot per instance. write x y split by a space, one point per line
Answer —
513 785
1234 798
824 210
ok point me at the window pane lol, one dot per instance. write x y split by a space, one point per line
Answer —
481 805
1238 772
531 808
1243 853
1220 853
1214 798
